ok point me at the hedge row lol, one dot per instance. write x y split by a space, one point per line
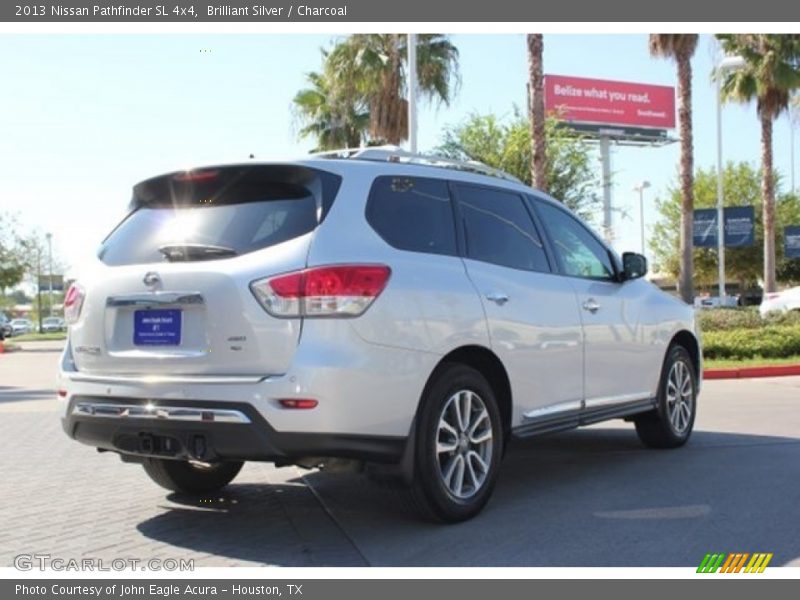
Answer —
725 319
771 341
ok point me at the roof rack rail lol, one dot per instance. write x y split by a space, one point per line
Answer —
396 154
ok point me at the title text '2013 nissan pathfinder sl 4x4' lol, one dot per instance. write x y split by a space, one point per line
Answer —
369 305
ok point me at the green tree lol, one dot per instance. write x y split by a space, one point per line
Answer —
12 254
505 143
681 48
770 73
333 113
741 185
373 70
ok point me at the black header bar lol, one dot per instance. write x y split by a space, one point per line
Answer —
444 11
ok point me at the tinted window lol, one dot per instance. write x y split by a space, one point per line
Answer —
498 229
217 213
578 251
413 213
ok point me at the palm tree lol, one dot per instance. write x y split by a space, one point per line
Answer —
374 66
771 71
328 113
681 48
536 109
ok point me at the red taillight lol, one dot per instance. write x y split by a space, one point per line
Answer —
299 403
341 290
73 303
195 176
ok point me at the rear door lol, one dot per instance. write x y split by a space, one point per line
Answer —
532 314
171 294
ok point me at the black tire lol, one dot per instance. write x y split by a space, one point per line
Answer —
189 478
655 428
429 491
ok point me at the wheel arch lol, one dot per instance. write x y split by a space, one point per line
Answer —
483 360
688 340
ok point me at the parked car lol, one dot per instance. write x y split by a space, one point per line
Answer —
53 325
717 302
780 301
372 306
5 327
21 326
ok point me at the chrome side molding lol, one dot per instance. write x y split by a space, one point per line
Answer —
166 413
581 405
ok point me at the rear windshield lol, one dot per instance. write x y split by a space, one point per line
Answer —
219 212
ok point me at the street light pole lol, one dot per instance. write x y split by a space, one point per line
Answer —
50 273
729 63
412 92
794 118
641 188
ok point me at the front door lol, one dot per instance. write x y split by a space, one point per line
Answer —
617 353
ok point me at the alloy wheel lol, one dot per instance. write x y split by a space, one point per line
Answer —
464 443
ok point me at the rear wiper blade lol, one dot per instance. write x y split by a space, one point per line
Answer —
188 251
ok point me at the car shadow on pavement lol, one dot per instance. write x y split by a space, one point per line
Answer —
592 497
278 524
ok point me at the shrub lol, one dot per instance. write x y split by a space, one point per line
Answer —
770 341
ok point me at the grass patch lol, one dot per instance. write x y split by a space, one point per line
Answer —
758 361
40 337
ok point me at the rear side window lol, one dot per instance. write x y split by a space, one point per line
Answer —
219 213
498 229
413 213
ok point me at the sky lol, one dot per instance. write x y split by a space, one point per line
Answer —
84 117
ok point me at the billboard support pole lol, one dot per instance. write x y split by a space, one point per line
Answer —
605 159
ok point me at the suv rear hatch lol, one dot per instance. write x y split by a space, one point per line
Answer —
171 295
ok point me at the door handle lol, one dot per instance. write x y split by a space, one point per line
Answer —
498 298
591 305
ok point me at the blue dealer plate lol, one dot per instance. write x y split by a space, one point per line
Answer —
157 327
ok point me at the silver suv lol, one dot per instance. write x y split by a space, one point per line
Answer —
369 305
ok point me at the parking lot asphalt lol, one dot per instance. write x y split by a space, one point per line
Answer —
591 497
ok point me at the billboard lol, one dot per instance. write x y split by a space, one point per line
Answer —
58 282
739 227
791 241
582 100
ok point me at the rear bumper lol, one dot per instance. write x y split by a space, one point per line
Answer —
199 430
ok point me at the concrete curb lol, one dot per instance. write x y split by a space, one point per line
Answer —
751 372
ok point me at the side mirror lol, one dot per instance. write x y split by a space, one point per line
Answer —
634 266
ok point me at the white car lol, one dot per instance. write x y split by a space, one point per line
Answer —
53 325
780 301
374 306
21 326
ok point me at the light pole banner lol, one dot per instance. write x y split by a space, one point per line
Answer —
739 226
705 228
791 241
